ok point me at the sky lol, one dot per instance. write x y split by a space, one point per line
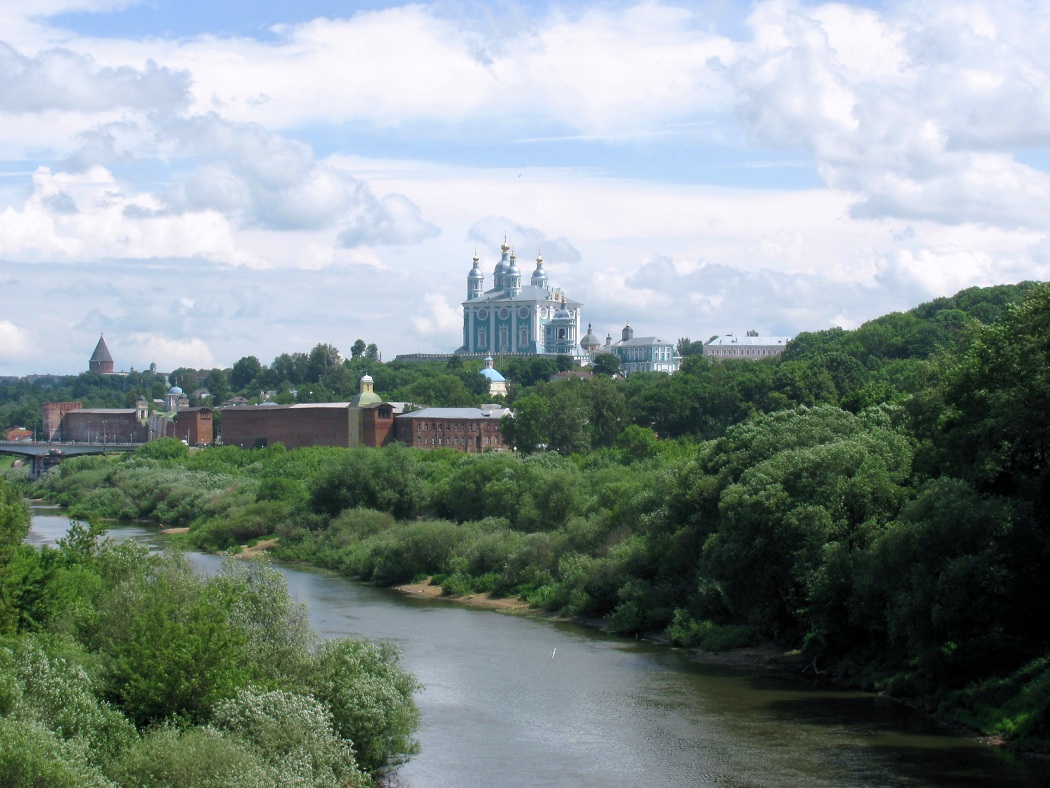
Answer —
202 181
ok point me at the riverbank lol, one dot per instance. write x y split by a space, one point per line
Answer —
486 601
766 657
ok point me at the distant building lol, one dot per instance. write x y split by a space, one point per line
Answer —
497 383
101 361
364 421
51 414
643 354
569 374
513 318
195 426
176 400
18 434
750 347
103 425
469 430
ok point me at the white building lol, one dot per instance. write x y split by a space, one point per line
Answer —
747 347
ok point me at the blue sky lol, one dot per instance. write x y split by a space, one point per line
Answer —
203 181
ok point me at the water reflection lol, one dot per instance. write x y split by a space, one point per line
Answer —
523 701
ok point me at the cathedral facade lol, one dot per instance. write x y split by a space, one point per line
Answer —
512 318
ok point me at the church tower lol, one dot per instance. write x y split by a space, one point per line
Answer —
512 278
539 276
475 280
500 272
101 361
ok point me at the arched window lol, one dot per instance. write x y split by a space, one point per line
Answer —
482 337
523 336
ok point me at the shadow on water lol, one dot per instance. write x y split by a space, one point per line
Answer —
894 736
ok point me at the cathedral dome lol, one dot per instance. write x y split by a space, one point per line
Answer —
175 391
503 263
491 373
475 272
539 276
590 341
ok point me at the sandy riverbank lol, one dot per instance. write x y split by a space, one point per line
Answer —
486 601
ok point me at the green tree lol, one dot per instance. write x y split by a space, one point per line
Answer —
322 359
245 370
358 348
171 648
606 364
218 385
528 429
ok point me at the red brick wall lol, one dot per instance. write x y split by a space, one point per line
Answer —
248 426
51 414
88 427
377 425
194 426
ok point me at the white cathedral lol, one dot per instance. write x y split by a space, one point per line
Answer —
516 319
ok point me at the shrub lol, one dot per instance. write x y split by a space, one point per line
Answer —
370 697
201 757
293 733
32 754
58 694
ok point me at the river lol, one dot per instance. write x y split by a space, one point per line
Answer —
519 701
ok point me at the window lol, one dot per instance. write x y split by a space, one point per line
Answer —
523 336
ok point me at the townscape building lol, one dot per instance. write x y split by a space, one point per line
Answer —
643 354
750 347
469 430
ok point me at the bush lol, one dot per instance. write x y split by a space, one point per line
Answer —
370 698
32 754
58 693
687 631
169 757
293 733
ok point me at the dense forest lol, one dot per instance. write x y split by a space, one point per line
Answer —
875 499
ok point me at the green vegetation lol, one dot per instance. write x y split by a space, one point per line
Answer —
118 667
875 498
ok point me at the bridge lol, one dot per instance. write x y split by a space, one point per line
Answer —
47 455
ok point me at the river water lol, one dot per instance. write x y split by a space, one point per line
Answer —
517 701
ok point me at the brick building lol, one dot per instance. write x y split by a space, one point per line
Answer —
102 425
52 413
193 425
309 424
363 421
461 429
